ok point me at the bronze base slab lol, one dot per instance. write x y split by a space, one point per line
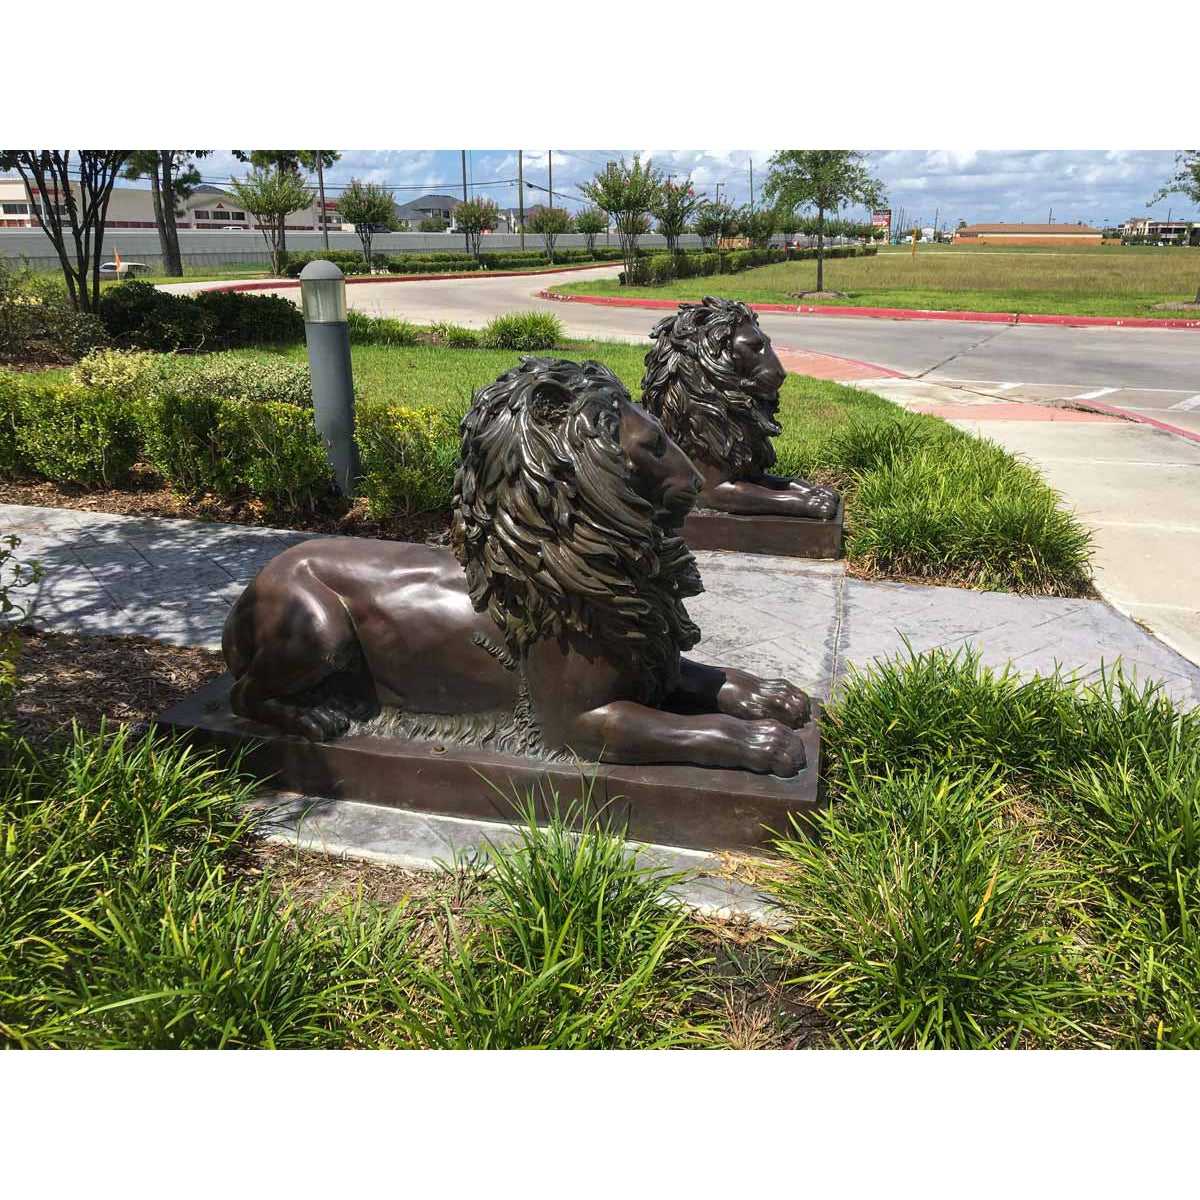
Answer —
797 537
687 806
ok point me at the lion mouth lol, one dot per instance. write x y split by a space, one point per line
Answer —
676 504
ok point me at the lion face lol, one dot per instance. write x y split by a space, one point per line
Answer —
661 474
713 378
567 504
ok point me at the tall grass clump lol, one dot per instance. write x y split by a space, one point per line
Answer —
379 331
522 331
572 944
1068 812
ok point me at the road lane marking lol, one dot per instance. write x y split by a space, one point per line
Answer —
1187 405
1096 394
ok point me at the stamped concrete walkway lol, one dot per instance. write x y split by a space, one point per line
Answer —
174 580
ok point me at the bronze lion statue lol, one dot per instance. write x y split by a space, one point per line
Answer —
554 626
713 379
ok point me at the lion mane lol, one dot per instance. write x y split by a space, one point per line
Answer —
693 386
553 538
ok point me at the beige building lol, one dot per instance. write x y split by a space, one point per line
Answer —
208 207
1028 235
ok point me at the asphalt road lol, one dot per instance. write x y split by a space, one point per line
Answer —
1151 370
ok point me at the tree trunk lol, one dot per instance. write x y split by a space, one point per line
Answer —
820 249
169 233
159 223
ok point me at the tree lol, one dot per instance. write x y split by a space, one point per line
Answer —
758 225
74 207
269 194
628 194
173 175
432 225
673 210
475 218
714 221
824 180
291 162
1185 182
590 222
549 222
365 205
787 221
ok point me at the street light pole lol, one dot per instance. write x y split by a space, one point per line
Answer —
466 236
550 154
521 192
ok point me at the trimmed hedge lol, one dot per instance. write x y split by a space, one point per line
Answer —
138 315
433 262
350 261
67 433
408 458
662 268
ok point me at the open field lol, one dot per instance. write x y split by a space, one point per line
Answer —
1102 281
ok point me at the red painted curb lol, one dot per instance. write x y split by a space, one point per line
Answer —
1132 416
901 314
880 372
270 285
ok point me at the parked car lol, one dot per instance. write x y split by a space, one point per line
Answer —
123 270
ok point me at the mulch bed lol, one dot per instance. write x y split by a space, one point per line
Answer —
67 676
148 496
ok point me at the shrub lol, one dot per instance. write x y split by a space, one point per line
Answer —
38 322
72 434
379 331
523 331
201 443
351 262
10 455
408 458
136 314
126 372
457 337
244 319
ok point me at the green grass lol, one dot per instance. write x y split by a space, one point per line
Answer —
1003 862
1116 281
132 916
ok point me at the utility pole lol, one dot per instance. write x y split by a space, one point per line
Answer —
321 186
466 236
718 196
936 213
751 184
550 153
1050 218
521 192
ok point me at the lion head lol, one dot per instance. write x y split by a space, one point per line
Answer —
566 507
713 379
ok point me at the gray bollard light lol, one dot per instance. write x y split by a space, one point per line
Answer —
327 335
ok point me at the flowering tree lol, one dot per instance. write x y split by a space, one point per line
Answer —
475 218
549 222
590 222
674 208
715 220
365 205
628 194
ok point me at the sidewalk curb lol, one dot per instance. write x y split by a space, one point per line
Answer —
1132 416
900 314
271 285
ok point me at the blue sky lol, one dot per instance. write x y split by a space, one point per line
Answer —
1094 186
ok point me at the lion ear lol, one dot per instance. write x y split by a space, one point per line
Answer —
549 402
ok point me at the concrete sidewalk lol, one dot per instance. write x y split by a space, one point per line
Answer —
1136 487
174 580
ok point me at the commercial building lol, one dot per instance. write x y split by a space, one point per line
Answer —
208 207
1178 232
1028 235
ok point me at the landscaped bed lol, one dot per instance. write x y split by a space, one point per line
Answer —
1101 281
230 437
1004 862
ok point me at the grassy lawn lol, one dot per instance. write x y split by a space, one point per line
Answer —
1115 281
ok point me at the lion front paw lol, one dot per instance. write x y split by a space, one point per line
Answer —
820 503
768 700
771 748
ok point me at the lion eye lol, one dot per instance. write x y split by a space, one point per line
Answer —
660 445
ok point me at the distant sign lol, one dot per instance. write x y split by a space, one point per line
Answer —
883 218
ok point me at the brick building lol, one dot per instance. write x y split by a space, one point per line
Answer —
1028 235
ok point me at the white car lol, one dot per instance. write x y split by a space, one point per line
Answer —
124 270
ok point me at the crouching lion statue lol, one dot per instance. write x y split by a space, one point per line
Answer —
713 379
556 625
